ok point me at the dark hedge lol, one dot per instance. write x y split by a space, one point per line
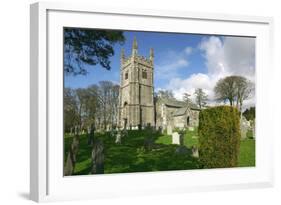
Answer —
219 137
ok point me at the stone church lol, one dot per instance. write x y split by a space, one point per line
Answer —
136 104
137 107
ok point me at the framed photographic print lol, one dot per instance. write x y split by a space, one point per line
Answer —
127 102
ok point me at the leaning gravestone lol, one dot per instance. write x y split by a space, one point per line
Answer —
169 130
97 158
69 165
71 157
175 138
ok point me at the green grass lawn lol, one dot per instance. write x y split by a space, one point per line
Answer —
130 156
247 153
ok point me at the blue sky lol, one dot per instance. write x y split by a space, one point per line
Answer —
166 47
183 62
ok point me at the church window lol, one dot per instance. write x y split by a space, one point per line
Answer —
144 74
126 76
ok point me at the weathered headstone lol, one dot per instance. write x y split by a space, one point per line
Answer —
169 130
195 152
160 129
244 126
254 129
175 138
71 131
113 133
71 156
182 138
118 138
91 134
69 165
148 143
97 158
75 147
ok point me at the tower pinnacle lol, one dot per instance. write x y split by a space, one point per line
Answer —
135 47
151 54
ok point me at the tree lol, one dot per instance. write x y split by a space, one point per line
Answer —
200 97
244 88
88 47
92 105
234 89
69 109
186 98
109 102
225 90
165 94
82 98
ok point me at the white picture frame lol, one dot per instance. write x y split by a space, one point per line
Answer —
46 177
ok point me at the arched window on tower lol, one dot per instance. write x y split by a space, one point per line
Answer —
126 75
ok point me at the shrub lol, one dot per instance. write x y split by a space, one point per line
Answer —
219 137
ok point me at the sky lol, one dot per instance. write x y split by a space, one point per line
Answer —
183 62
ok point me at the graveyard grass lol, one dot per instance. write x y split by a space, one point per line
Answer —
131 156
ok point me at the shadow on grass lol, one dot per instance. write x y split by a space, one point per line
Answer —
132 156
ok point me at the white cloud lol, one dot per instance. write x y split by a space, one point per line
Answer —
188 50
223 56
171 63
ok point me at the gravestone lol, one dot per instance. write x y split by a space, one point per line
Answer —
195 151
124 133
244 126
97 158
253 127
71 157
169 130
160 129
182 138
113 133
118 138
92 134
175 138
69 165
148 143
71 131
89 135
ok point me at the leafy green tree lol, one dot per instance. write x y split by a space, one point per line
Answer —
88 47
200 97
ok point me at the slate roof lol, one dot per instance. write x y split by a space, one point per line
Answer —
179 104
180 111
174 103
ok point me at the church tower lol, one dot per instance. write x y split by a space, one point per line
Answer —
136 102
